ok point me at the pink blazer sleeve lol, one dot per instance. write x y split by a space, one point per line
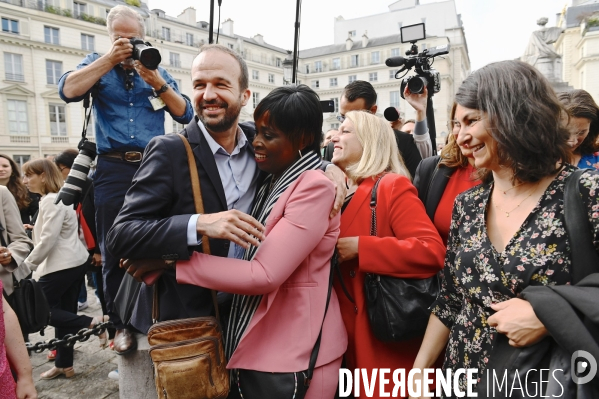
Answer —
296 232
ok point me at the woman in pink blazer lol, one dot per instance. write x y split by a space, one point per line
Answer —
283 284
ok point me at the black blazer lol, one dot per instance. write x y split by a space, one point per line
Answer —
430 180
407 148
153 220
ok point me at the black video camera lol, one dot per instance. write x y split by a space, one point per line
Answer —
425 75
146 54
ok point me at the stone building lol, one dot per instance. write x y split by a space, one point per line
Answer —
42 39
579 45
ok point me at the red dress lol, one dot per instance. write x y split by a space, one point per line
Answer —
7 382
460 181
407 245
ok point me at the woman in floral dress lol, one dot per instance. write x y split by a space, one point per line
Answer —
507 233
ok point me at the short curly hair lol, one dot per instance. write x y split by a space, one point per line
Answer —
580 104
524 117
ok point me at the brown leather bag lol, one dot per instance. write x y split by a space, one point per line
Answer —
188 354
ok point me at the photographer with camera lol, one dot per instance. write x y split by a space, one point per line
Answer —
131 94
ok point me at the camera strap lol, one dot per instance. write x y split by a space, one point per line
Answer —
87 103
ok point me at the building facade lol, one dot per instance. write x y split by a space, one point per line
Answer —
579 45
42 39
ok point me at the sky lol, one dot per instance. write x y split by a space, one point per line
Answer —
495 29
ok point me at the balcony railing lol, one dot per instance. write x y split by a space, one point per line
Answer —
15 77
59 139
66 12
20 139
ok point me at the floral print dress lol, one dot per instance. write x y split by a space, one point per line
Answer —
477 276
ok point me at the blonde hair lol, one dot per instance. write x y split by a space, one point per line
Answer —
380 153
52 177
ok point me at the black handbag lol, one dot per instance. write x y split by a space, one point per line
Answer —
28 302
397 307
259 385
30 305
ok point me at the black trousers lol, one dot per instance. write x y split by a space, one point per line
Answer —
62 290
112 179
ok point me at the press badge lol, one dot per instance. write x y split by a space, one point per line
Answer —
156 102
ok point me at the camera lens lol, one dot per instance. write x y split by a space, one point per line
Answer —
70 193
149 57
417 84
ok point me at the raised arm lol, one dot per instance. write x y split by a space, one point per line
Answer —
74 85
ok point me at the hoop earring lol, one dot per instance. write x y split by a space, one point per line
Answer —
300 153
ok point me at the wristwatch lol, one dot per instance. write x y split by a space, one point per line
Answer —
163 89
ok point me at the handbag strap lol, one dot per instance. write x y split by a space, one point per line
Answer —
316 349
2 240
199 207
373 200
584 254
373 228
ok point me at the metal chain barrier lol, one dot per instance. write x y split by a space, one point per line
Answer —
70 339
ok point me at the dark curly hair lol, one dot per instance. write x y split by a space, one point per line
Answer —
580 104
524 118
15 185
451 155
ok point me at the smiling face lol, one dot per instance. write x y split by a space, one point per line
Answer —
579 130
274 152
217 94
5 169
473 136
347 148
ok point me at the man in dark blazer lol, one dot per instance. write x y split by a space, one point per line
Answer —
360 95
158 220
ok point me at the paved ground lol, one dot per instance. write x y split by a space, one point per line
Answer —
92 365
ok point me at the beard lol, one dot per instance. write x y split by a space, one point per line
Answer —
225 122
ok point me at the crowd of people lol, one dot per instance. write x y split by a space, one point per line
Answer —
282 198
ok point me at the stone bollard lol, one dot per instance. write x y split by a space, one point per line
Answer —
136 375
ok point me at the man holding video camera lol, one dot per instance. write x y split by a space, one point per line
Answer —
129 103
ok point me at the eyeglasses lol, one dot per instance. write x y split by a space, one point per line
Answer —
63 168
340 118
129 82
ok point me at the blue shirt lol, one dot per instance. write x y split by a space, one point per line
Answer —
238 173
589 161
124 119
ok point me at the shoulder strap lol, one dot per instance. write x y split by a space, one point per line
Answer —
373 200
199 206
584 255
2 240
316 349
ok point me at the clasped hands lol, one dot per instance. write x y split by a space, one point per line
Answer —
516 319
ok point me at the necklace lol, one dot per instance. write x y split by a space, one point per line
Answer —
507 213
511 188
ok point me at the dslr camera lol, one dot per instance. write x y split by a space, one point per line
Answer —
70 192
146 54
421 62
